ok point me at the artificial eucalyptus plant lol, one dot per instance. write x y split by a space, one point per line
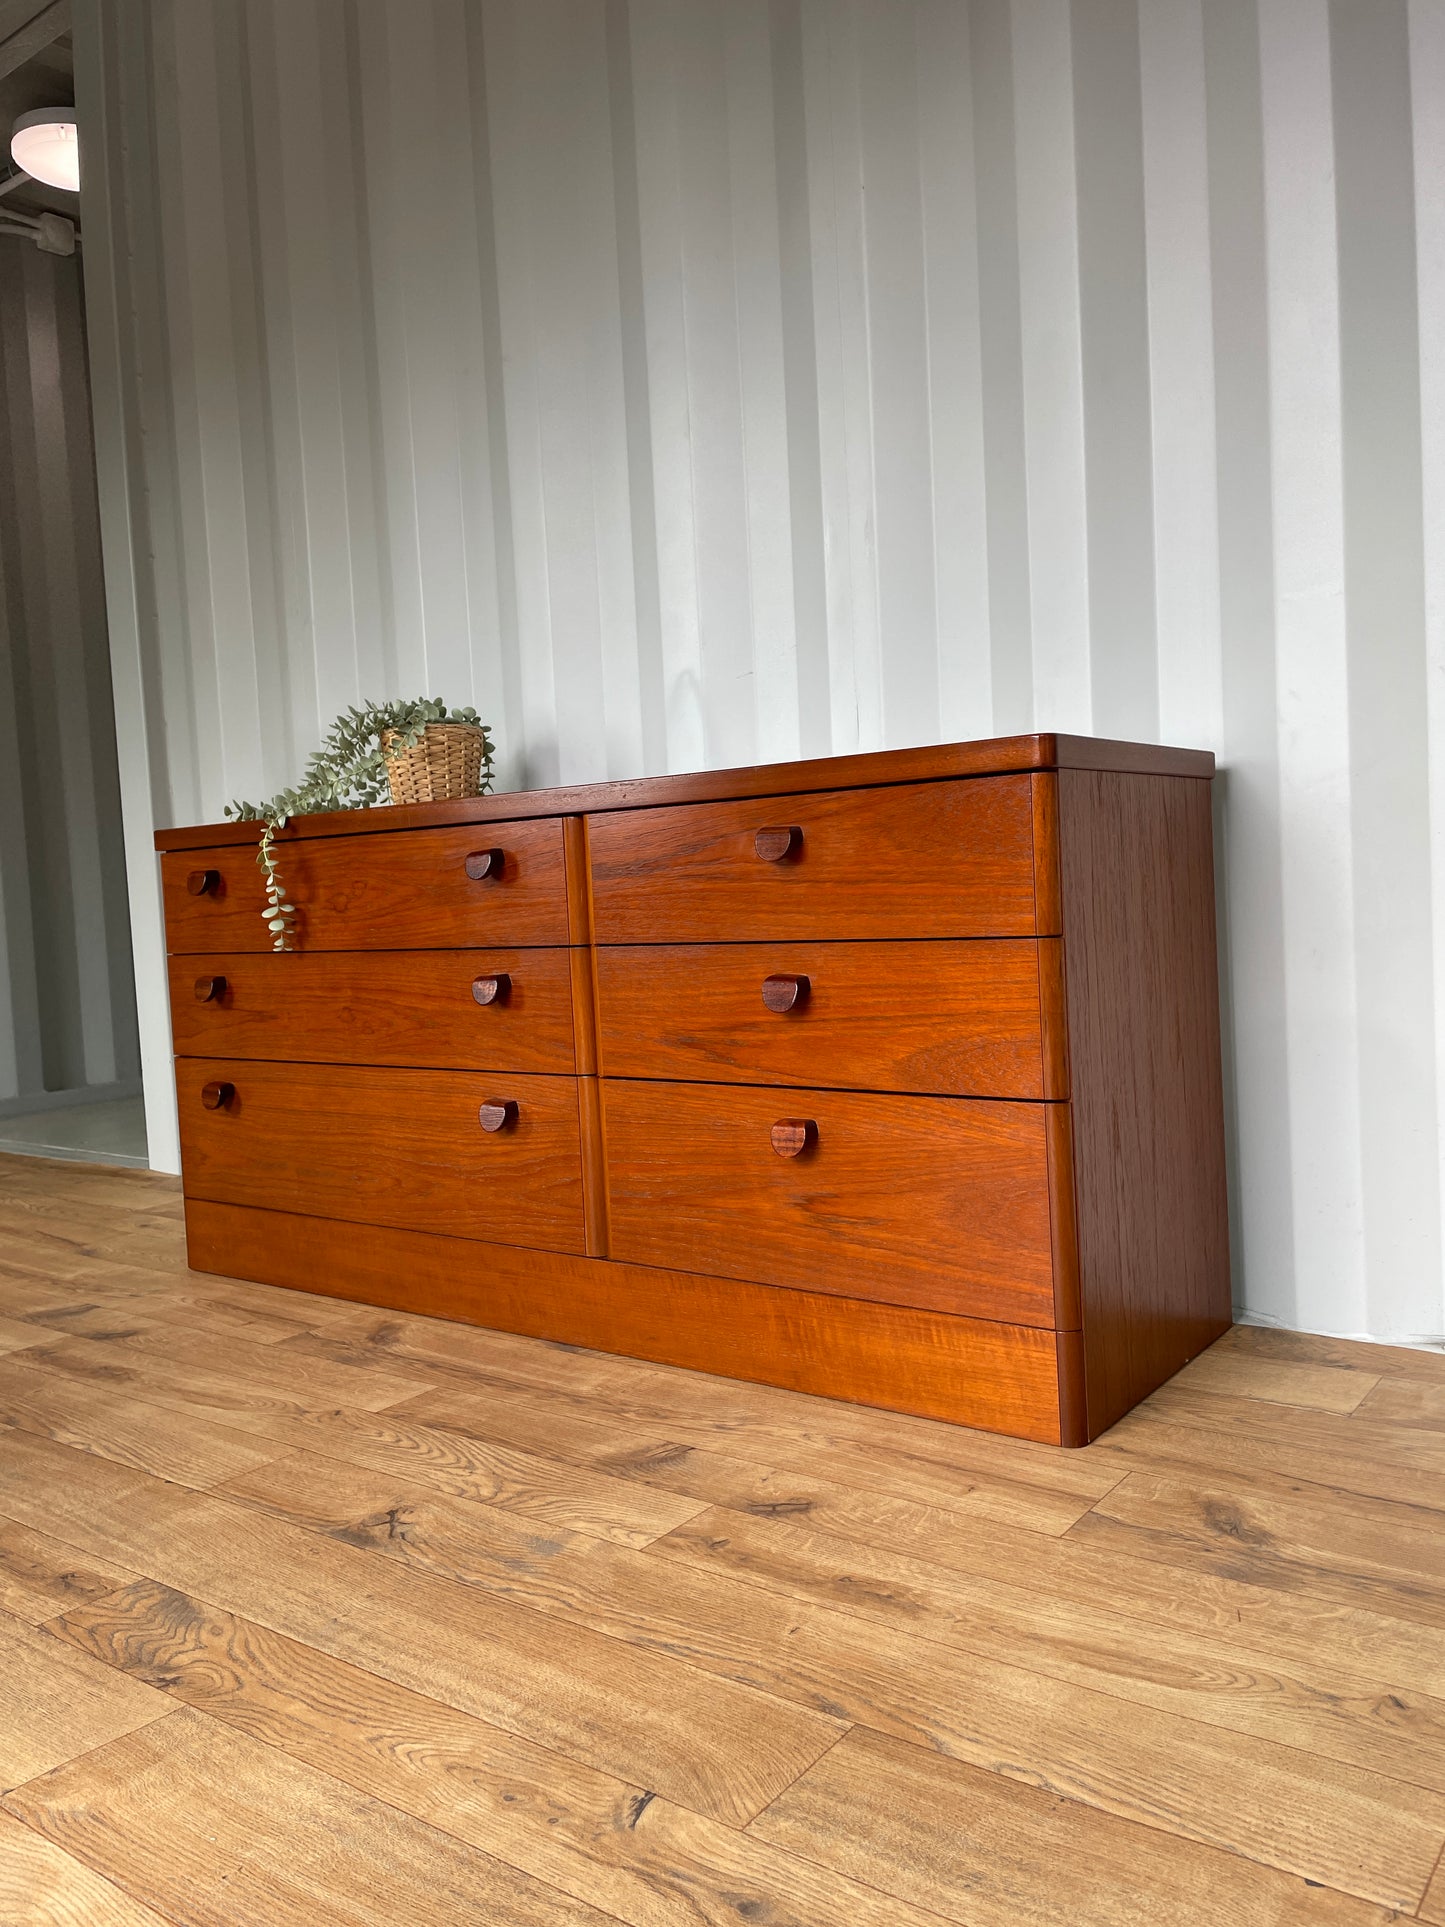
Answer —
348 772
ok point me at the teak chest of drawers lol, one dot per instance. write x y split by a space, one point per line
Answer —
890 1077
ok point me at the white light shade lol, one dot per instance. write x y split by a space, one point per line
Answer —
45 145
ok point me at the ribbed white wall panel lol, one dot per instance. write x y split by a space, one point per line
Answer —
692 382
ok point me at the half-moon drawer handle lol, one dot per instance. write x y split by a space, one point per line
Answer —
492 990
794 1134
203 883
784 991
216 1095
485 864
210 990
773 844
498 1114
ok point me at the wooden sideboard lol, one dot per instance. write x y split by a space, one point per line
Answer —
891 1077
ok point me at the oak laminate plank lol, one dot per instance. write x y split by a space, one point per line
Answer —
987 1852
41 1576
273 1367
1363 1449
1392 1361
1239 1447
56 1702
1304 1526
238 1401
591 1835
1360 1718
1303 1812
1214 1560
1415 1403
150 1294
63 1246
41 1886
1432 1907
218 1831
1104 1568
707 1742
78 1207
548 1490
16 1336
1324 1388
104 1183
260 1313
655 1454
93 1419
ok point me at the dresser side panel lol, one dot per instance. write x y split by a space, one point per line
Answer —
1140 964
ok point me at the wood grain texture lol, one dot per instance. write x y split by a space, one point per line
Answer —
953 1019
56 1702
990 757
40 1577
390 1147
933 1202
40 1886
974 1371
927 860
1355 1717
219 1831
1310 1348
594 1166
91 1419
402 1008
1194 1670
1432 1907
376 892
1137 885
1103 1743
989 1853
586 1833
722 1748
1328 1820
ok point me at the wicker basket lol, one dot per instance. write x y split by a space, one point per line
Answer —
444 765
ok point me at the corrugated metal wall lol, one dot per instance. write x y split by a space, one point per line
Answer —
690 382
67 1004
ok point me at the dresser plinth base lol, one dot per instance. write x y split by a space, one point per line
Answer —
969 1371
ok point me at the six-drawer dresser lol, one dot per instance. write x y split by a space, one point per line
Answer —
893 1077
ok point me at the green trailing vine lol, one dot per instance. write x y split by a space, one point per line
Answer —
348 772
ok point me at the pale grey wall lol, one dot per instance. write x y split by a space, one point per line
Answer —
690 382
67 1000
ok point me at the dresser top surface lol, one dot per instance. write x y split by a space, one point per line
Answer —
994 756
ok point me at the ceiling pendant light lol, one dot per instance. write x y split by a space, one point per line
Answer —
44 144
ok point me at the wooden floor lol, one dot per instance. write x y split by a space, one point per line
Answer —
313 1614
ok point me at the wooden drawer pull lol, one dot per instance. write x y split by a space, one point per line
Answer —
772 845
216 1094
486 864
497 1114
210 990
794 1134
784 991
203 883
492 990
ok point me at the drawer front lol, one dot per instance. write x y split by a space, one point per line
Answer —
403 890
957 1019
450 1009
387 1147
919 860
941 1203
